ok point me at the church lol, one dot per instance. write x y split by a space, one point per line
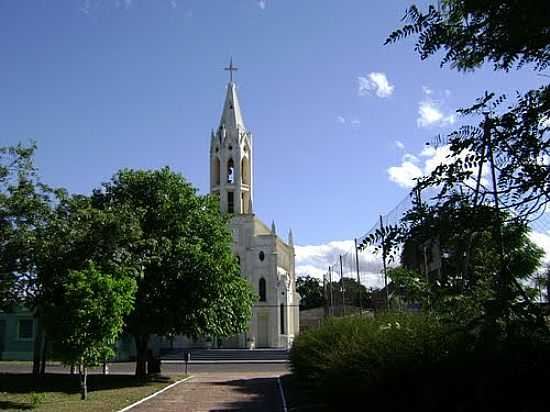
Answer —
266 260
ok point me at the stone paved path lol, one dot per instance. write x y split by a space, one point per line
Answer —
211 392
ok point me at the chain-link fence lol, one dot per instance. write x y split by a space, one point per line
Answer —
356 279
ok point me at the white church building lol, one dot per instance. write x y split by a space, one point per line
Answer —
266 260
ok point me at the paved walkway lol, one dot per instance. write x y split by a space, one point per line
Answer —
212 392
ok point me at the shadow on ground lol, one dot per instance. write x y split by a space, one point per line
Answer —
299 398
262 395
25 383
14 405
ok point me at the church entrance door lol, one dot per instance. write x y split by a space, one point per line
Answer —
263 330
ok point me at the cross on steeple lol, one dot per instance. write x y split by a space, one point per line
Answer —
231 69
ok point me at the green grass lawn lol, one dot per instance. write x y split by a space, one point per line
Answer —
61 392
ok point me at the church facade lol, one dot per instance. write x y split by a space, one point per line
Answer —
266 260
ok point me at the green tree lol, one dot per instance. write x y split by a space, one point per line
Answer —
354 293
463 257
513 141
310 291
26 206
88 317
471 32
189 281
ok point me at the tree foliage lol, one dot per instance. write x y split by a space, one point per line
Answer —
468 259
147 226
310 291
506 32
88 317
78 233
511 139
509 33
189 281
26 205
354 294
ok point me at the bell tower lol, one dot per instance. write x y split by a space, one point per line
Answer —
231 156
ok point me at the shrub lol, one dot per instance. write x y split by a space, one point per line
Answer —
415 362
36 399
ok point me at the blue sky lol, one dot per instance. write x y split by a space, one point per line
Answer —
339 120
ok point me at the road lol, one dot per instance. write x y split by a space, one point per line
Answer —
171 368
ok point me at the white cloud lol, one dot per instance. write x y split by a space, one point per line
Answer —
173 4
85 7
435 157
431 112
405 173
543 241
126 3
353 122
314 260
374 82
412 167
399 145
262 4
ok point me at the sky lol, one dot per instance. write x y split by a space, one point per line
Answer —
339 120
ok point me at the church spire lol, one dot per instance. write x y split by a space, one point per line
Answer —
231 115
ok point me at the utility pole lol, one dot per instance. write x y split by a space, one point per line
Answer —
502 283
331 312
474 206
325 294
342 286
358 277
384 263
504 280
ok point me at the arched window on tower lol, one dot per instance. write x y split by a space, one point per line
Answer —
217 171
230 202
245 173
230 171
262 290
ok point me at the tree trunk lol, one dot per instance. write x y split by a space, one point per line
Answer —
83 374
142 344
37 346
44 355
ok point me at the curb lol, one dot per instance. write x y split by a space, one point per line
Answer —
282 393
127 408
206 362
